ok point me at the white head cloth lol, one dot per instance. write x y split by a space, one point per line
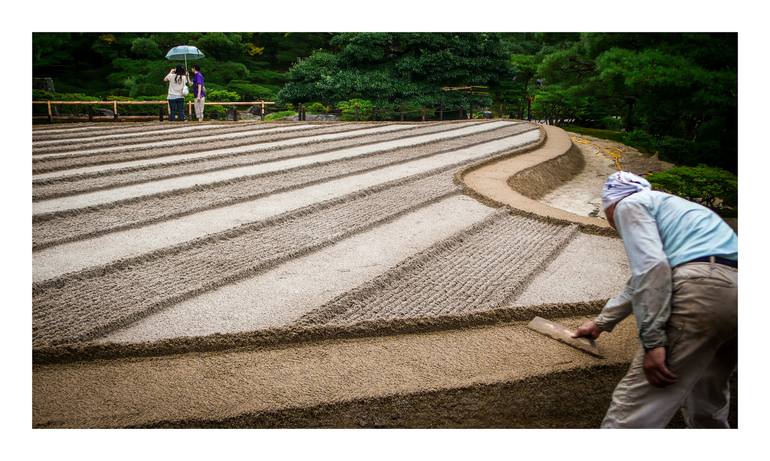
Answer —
620 185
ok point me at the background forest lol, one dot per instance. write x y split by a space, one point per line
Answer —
674 94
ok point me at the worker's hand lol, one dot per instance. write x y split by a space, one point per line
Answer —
589 330
655 368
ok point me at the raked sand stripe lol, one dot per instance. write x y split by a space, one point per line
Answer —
167 185
107 136
67 163
252 133
257 130
479 269
80 224
104 129
75 256
273 298
88 304
92 127
52 188
249 148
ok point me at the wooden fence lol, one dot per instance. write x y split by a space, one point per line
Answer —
116 115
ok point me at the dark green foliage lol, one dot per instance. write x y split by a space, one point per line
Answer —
250 91
134 64
712 187
391 69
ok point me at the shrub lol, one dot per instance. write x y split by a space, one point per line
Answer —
316 108
222 95
712 187
349 107
250 91
215 112
280 115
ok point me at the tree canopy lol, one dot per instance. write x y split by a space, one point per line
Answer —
670 93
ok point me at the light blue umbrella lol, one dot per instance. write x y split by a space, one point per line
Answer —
183 53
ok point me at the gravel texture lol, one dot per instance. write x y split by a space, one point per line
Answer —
77 306
105 179
595 266
238 387
230 175
477 269
110 138
107 147
85 223
51 166
286 291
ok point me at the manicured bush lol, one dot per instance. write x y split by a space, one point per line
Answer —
250 91
280 115
712 187
348 108
316 108
222 95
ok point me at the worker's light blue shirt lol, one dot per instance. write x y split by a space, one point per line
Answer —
687 230
661 231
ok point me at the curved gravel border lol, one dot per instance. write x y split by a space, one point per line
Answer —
490 181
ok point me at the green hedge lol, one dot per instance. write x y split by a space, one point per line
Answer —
712 187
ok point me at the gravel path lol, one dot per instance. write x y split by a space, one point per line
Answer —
478 269
160 156
82 303
273 298
89 223
228 175
101 179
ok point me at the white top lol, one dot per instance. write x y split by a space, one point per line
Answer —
174 88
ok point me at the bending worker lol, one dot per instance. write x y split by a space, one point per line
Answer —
683 292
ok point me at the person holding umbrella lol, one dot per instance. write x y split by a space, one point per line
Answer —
177 90
184 53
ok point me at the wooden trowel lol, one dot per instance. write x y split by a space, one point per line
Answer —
563 334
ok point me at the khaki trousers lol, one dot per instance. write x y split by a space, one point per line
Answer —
702 351
199 105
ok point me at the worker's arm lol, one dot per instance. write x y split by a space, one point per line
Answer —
650 271
616 309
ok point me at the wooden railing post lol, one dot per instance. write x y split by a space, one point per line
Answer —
358 113
262 110
441 112
160 113
190 109
423 114
50 113
90 114
115 110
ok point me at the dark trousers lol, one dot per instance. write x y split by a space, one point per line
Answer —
176 109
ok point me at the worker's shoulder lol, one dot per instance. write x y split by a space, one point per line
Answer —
642 198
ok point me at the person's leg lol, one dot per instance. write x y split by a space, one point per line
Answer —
199 105
171 110
175 107
703 319
181 109
709 402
